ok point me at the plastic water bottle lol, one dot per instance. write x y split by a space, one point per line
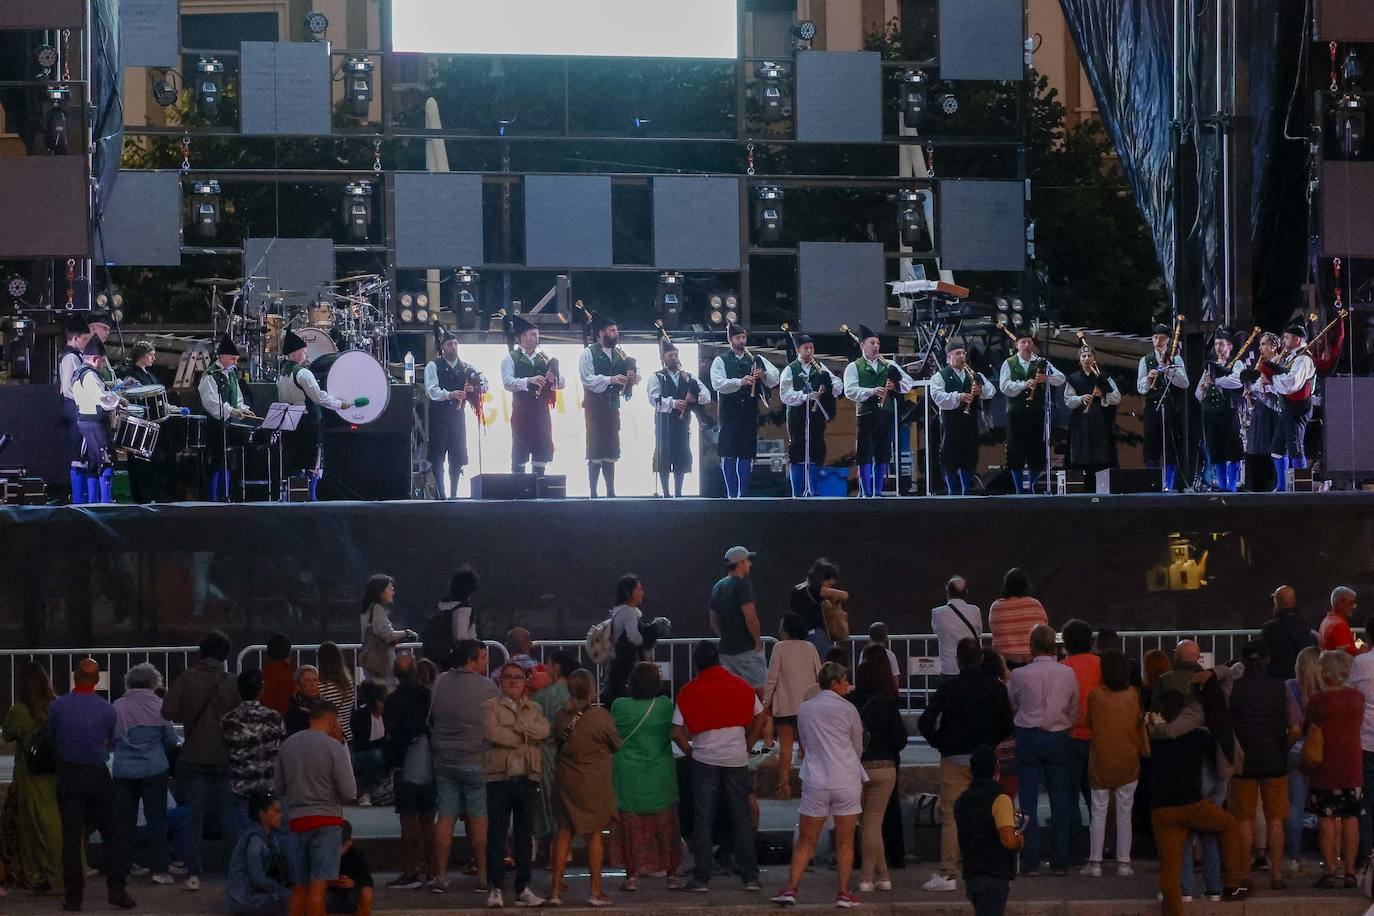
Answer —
410 368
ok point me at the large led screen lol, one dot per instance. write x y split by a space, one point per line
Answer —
490 449
579 28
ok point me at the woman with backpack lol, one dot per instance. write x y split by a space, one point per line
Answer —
379 639
455 621
632 637
30 827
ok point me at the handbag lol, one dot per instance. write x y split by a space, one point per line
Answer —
418 767
1313 747
836 619
643 719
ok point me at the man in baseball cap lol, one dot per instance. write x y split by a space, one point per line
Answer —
734 616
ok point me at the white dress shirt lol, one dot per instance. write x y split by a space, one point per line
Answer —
1229 382
949 630
511 383
586 368
855 392
432 389
1178 375
67 367
1299 374
210 400
721 383
1073 400
1012 388
793 396
832 735
665 405
296 388
720 747
90 393
952 400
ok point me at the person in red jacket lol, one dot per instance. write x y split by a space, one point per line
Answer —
1335 629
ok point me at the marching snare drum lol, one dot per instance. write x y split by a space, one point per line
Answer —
351 375
137 436
153 400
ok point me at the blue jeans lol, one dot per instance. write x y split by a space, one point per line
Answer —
821 640
709 783
1040 752
1213 790
1297 804
208 797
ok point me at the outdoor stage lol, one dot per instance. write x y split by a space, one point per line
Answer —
161 575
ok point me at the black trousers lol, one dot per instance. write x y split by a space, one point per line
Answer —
874 444
1026 439
798 419
507 799
1291 428
709 785
959 440
1158 424
85 798
95 434
1221 432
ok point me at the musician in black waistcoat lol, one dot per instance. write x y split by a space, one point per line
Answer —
740 380
533 380
1091 396
222 395
297 386
95 405
450 384
607 378
1259 412
1219 392
675 395
1161 377
150 479
811 393
953 391
68 364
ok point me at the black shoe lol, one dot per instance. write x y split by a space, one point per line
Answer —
120 897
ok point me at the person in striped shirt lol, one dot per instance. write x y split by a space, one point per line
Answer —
1012 617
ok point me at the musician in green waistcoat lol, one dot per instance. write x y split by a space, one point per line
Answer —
1219 392
533 379
675 395
876 386
741 380
297 385
1162 377
961 393
222 396
1024 379
608 376
810 392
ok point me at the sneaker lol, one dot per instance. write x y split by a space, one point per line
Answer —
163 878
845 900
1215 898
885 884
865 887
695 887
1124 870
120 897
138 871
939 882
786 897
405 883
364 801
1092 870
192 883
553 899
1233 894
1259 863
92 872
482 887
599 901
494 899
1294 868
177 868
438 886
527 898
753 886
1186 898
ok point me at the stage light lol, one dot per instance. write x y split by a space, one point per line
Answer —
56 136
806 30
1017 305
915 85
912 223
357 210
413 309
358 80
205 208
46 55
1017 320
316 23
768 214
466 305
1352 71
1349 115
209 87
111 301
775 103
165 92
945 100
17 287
715 313
670 299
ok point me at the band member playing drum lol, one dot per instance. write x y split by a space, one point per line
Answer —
607 377
1091 396
740 379
1219 392
810 392
1024 379
94 404
1162 377
68 364
221 394
532 378
953 391
450 384
1292 379
673 393
297 385
150 480
876 386
139 368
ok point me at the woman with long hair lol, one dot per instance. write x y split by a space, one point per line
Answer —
30 827
792 671
875 696
1012 617
336 686
379 639
807 595
584 800
1117 721
1304 685
633 637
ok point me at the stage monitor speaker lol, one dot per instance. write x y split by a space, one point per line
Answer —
505 486
50 193
1129 480
1344 20
551 486
1347 446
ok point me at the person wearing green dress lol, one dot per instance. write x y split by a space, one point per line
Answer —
31 837
550 700
645 778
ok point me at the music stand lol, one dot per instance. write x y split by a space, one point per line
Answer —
281 418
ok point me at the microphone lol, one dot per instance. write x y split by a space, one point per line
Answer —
361 402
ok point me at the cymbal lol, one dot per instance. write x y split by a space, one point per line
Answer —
356 278
218 281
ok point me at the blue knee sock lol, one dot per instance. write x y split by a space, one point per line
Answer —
797 474
314 483
1232 476
744 467
1281 474
1017 481
106 481
1299 462
1170 472
77 478
952 485
866 479
880 479
966 482
727 470
92 489
1218 474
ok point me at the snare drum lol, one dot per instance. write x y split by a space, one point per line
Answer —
137 436
152 399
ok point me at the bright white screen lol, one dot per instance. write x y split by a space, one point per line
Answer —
634 474
580 28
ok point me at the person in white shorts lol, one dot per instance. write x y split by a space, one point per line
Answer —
831 733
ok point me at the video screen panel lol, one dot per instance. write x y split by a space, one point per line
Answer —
576 28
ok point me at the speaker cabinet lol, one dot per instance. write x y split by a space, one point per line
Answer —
1129 480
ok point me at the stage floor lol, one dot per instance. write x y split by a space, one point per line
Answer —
161 575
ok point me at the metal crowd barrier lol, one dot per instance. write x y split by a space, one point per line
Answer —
917 658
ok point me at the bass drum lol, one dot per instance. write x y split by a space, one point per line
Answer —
317 343
351 375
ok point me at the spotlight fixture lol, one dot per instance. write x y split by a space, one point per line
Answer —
413 309
316 23
358 80
17 287
56 137
357 210
722 309
467 307
945 101
1002 308
46 55
731 307
775 103
768 215
1352 71
112 302
915 86
670 299
164 87
209 87
912 222
205 208
805 32
1017 305
1349 115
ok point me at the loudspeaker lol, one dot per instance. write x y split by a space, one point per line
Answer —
362 465
504 486
551 486
1129 480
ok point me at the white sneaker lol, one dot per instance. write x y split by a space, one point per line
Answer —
192 883
176 868
527 898
939 882
364 801
1186 898
885 884
865 887
138 871
1124 870
1092 870
163 878
495 900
